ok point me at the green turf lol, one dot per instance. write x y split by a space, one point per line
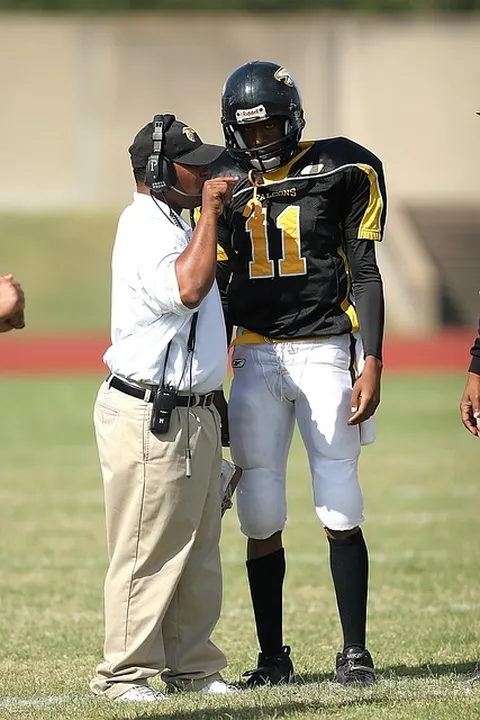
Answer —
422 496
63 263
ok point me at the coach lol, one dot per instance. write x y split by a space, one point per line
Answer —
157 431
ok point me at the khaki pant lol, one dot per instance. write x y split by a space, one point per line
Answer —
163 589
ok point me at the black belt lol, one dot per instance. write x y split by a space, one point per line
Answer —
193 400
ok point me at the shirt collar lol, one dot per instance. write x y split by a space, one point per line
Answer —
154 208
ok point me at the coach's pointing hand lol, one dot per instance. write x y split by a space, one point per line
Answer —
366 391
217 192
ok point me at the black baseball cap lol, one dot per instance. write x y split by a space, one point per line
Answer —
182 144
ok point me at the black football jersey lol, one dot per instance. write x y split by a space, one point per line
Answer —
283 245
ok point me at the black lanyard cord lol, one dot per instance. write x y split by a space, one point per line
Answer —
190 350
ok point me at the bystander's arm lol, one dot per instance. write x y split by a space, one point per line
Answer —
12 304
470 402
475 353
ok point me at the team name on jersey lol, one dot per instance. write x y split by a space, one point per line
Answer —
268 194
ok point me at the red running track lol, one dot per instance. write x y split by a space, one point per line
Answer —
23 354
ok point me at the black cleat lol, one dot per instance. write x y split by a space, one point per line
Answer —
354 666
271 670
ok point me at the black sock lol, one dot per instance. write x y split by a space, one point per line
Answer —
265 576
349 566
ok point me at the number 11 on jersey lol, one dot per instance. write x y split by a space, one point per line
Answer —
291 263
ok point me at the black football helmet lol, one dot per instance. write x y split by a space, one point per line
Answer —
253 93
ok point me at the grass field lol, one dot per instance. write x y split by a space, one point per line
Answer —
422 496
63 262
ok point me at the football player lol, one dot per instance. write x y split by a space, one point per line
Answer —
298 269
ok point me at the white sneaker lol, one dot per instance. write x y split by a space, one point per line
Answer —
141 693
218 687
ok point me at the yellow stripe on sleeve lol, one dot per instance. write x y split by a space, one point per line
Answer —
370 226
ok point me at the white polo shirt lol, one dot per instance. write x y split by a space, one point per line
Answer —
147 311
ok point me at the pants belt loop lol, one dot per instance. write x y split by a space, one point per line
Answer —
109 379
148 394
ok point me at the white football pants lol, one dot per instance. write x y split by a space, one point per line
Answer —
274 384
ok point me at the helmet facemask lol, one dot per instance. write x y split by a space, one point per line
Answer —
263 158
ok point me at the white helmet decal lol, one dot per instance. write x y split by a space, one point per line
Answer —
282 75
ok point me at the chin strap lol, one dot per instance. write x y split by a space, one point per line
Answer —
254 205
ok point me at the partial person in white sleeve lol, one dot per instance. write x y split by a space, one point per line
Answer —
157 429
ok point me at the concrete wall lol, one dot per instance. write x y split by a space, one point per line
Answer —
76 89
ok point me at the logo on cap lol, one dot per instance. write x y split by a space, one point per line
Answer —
190 134
282 75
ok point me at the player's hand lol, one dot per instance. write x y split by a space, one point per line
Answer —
12 299
222 407
216 193
366 391
470 404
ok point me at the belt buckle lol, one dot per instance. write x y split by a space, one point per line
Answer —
197 400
